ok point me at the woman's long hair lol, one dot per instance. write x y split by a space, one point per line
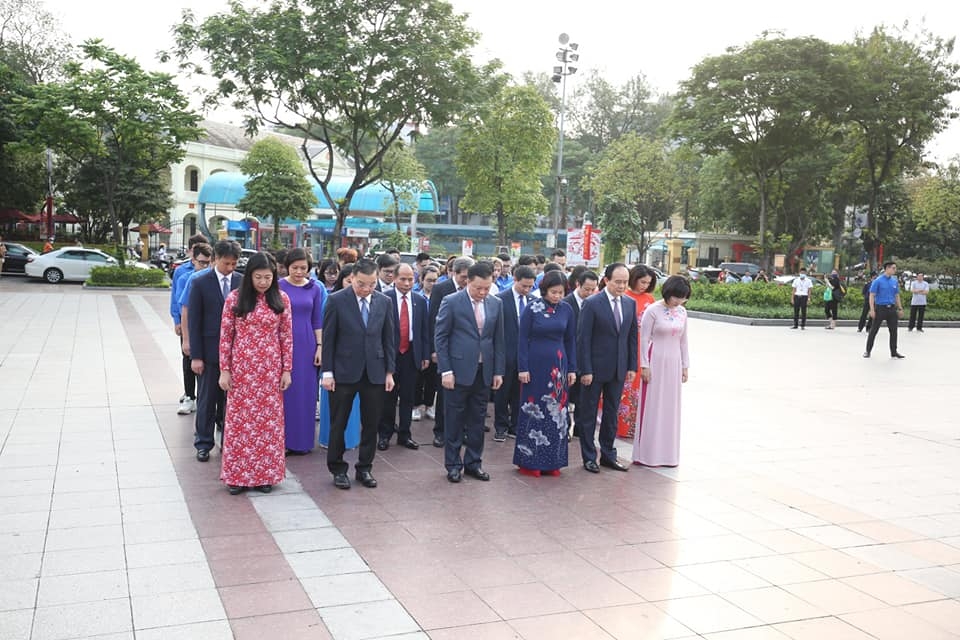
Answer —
345 272
247 298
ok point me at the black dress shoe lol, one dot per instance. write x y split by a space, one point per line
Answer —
203 455
898 356
866 354
438 443
591 466
265 488
341 481
383 445
454 475
410 443
366 479
613 464
478 473
235 490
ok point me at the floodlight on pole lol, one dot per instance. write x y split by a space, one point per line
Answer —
565 56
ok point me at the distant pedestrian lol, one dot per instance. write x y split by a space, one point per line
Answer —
762 276
865 319
885 306
746 279
835 287
47 246
3 253
918 303
799 298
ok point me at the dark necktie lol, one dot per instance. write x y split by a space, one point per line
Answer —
364 311
523 305
225 286
404 325
617 316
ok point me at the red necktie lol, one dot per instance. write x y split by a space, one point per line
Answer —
404 326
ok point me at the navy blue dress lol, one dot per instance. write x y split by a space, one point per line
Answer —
547 350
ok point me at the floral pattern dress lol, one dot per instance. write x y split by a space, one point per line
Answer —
547 350
256 350
632 398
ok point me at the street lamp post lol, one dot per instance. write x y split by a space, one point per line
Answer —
565 55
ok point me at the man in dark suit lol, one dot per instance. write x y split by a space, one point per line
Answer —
386 271
456 282
607 356
207 292
470 358
359 356
585 286
506 399
412 337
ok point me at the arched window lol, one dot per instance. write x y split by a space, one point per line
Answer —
191 179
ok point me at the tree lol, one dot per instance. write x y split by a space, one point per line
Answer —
22 178
636 176
276 187
602 112
502 155
350 74
898 96
763 103
437 152
110 112
31 41
935 210
403 177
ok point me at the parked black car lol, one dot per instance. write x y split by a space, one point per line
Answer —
17 257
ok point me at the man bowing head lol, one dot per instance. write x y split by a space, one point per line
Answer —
471 360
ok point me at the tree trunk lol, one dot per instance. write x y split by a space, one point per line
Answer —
501 226
763 220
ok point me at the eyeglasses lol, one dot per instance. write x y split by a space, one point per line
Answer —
203 263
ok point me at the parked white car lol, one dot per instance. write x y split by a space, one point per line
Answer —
72 263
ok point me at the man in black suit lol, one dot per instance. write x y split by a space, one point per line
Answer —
470 358
386 271
412 337
585 286
506 399
456 282
359 356
607 356
208 291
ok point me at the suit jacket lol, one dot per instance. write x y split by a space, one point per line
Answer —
349 348
511 327
459 344
571 299
602 350
440 291
421 324
205 312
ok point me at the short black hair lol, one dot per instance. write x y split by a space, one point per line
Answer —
552 266
366 266
526 259
482 269
386 261
675 287
552 279
588 275
613 266
422 256
504 256
558 253
297 254
227 249
888 263
196 238
201 249
524 272
641 271
541 259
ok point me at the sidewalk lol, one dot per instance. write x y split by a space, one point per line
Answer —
824 506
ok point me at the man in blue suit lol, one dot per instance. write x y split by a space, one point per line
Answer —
607 356
412 337
506 400
586 285
471 361
359 356
208 290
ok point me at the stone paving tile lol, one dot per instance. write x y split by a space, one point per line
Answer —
82 620
217 630
177 608
82 587
332 591
367 620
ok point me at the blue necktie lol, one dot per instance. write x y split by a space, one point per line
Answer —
364 311
225 286
522 305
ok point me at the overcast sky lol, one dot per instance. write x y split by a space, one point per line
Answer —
620 38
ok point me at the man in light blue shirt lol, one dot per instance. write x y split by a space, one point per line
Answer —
200 255
885 306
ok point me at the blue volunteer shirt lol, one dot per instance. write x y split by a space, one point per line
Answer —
188 283
885 289
180 277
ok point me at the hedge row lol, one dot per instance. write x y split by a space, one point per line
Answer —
127 277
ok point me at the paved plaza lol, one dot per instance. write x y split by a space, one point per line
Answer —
817 498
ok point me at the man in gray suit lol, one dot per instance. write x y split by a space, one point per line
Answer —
359 356
471 360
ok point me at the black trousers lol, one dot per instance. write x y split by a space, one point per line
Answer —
371 406
426 386
440 410
587 407
403 392
506 404
189 377
916 316
800 310
865 319
830 308
211 403
885 313
466 411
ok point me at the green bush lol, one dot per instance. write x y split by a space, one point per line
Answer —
127 277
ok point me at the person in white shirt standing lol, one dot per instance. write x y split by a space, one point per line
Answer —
918 303
801 294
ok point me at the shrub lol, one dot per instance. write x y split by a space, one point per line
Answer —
127 277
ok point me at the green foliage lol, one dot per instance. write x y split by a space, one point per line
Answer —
403 177
634 182
602 113
349 74
276 187
127 277
397 240
31 40
437 152
502 155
